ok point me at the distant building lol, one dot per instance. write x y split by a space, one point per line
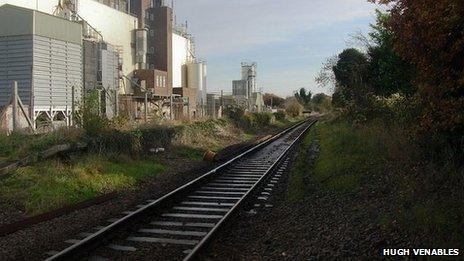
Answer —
245 90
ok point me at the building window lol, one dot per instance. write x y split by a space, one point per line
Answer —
164 81
152 66
152 17
152 50
152 32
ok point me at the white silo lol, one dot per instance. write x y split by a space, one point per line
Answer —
204 89
197 74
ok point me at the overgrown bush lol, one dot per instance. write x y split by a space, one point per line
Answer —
293 108
235 113
262 119
89 117
280 115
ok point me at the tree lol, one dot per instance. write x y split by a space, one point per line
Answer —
321 102
293 108
429 34
350 75
389 73
303 97
318 98
326 77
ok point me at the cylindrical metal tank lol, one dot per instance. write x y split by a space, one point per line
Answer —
204 89
141 47
195 75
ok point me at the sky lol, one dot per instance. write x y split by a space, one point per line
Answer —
289 39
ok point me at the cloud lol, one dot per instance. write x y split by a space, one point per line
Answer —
222 27
288 38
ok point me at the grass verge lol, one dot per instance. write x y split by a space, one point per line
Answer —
52 184
420 197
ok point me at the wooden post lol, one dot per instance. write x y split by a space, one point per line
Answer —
116 102
146 107
188 107
15 106
170 109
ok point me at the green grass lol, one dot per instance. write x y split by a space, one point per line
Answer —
52 184
347 154
18 145
353 161
297 187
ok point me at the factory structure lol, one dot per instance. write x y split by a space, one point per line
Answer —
245 94
245 90
132 53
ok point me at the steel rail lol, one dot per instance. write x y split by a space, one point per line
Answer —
91 241
212 232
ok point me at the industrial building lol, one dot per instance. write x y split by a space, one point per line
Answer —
43 54
217 103
245 90
132 52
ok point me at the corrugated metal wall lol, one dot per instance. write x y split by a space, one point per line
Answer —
57 67
15 65
91 57
110 71
110 78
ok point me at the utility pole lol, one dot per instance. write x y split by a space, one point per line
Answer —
15 106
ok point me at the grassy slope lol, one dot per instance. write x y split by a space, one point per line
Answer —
52 184
17 145
353 160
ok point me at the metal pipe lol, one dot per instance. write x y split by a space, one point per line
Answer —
73 105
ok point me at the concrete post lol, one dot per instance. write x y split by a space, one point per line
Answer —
73 105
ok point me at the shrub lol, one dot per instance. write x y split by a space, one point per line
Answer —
235 113
262 119
280 115
293 108
89 117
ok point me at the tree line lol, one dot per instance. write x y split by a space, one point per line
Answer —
409 71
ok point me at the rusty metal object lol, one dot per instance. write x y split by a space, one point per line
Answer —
209 156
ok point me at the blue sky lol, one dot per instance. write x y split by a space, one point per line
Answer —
289 39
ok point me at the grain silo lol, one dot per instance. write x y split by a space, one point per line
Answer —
43 53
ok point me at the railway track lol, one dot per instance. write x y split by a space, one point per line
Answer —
178 225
